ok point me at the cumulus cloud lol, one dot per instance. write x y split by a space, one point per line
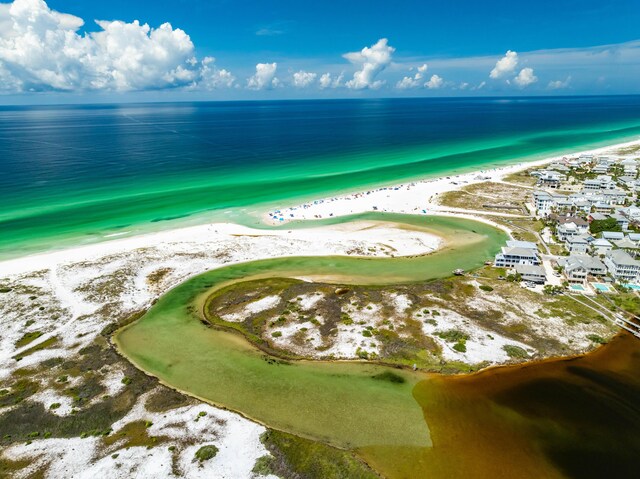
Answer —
413 81
434 82
212 77
41 49
525 77
264 78
559 84
303 79
505 66
371 60
328 81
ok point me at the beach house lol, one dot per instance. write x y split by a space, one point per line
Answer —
533 274
517 252
622 266
578 267
601 246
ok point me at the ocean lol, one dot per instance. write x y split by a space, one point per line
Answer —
72 175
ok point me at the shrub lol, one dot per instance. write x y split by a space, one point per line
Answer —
453 336
276 334
362 354
55 405
596 339
515 351
484 287
366 333
206 452
461 347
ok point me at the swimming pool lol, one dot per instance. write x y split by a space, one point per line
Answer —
576 287
602 287
634 287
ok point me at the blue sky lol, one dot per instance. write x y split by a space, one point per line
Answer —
223 49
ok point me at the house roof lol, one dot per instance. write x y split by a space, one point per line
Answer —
573 219
527 269
625 243
522 244
612 235
601 242
583 261
577 240
621 257
515 251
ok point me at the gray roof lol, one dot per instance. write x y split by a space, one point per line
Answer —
601 242
527 269
583 261
577 240
612 235
522 244
518 251
626 243
621 257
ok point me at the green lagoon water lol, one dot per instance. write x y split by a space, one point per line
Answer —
335 402
80 174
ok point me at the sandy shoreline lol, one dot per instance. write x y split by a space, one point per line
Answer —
416 197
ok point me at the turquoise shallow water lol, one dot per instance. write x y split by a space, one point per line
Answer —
76 174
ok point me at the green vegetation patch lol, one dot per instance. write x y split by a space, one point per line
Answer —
206 452
18 392
28 338
292 456
596 339
515 352
135 434
453 335
38 347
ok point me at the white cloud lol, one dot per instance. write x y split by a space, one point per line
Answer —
434 82
264 78
41 49
525 77
505 65
328 81
413 81
303 79
212 78
559 84
372 60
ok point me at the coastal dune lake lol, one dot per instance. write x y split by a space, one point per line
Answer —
558 418
72 175
342 403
